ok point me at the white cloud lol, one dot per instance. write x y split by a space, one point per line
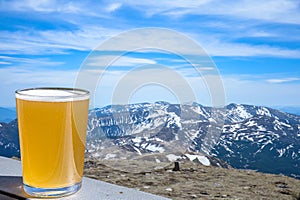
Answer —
160 7
218 48
66 10
286 11
176 42
42 6
89 33
282 80
86 24
4 63
270 10
50 41
206 68
123 61
89 37
113 7
28 61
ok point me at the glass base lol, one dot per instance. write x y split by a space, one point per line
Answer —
51 192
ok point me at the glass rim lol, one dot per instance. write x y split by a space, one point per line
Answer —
69 95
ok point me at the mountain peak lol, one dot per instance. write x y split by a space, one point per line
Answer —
250 133
244 136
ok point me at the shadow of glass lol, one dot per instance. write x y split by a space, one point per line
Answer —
11 187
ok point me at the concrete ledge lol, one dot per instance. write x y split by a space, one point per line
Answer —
11 186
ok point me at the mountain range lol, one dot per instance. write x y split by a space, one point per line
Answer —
9 139
244 136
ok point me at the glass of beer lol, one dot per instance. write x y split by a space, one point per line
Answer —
52 130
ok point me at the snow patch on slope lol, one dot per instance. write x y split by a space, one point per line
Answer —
202 159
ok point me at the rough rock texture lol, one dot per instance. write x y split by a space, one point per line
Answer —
244 136
193 181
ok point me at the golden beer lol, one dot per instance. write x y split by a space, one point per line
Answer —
52 129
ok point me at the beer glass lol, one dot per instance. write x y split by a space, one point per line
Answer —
52 130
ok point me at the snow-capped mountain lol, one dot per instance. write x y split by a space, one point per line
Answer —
9 139
266 140
245 136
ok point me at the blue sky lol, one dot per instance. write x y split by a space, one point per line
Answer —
254 44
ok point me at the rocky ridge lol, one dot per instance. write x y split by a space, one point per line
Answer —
244 136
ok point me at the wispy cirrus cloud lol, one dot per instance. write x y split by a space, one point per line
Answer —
269 10
85 8
36 37
123 61
283 80
113 7
227 18
41 62
220 48
53 41
41 6
89 37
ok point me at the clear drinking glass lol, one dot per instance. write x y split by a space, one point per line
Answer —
52 130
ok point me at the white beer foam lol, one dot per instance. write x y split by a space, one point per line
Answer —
52 95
